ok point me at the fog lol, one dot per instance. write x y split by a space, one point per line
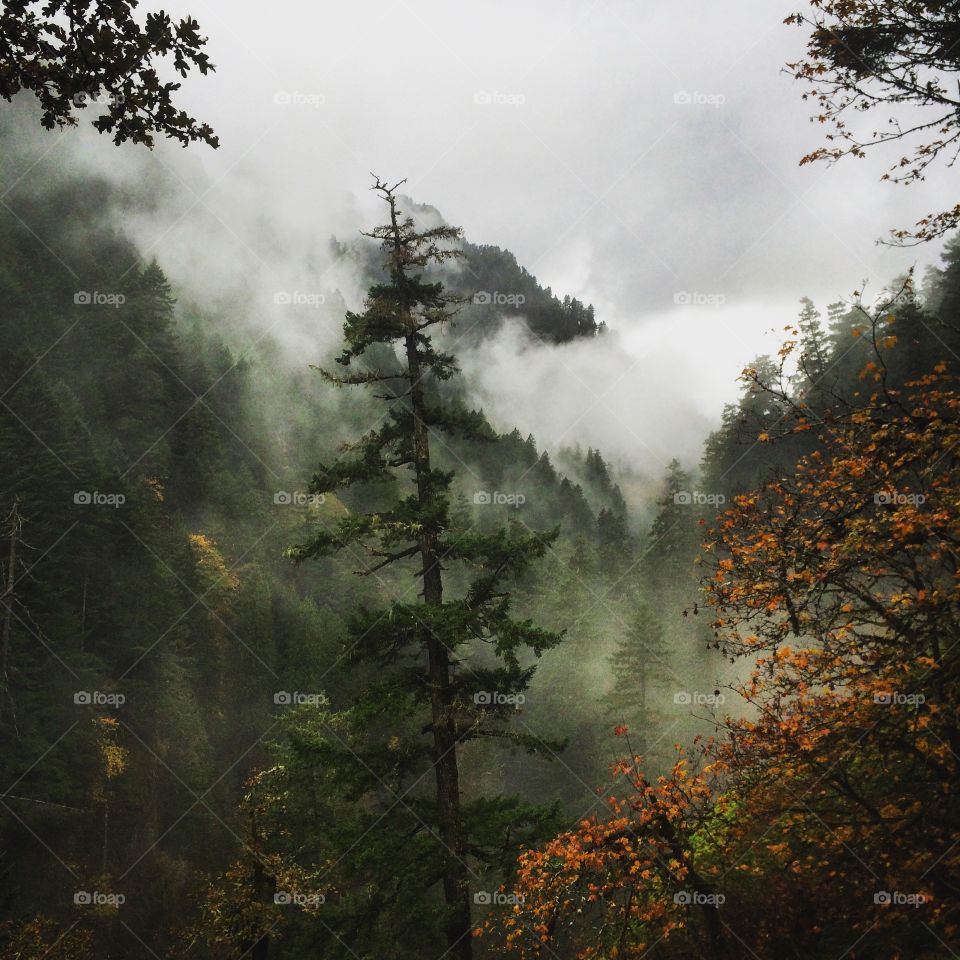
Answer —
627 157
290 671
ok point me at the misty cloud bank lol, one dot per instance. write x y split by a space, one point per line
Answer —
686 222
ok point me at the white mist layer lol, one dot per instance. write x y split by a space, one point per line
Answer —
644 397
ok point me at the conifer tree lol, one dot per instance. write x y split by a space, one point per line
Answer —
814 347
450 666
638 664
669 555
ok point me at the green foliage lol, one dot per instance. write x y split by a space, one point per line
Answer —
78 56
449 668
640 672
180 600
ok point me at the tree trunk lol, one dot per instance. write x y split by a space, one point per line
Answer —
456 889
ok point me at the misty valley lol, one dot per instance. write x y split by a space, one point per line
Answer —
377 587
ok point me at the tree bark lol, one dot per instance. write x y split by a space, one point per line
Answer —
456 887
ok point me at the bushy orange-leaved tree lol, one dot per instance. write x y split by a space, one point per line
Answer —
824 821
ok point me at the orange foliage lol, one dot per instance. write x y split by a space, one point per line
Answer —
826 821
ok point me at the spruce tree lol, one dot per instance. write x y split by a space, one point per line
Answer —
638 665
455 665
814 348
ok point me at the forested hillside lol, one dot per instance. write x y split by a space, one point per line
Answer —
497 290
822 811
309 647
154 467
177 488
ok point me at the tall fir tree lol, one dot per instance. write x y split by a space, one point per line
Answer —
450 668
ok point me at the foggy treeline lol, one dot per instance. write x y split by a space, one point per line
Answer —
310 647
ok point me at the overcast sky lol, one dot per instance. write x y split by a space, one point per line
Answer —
642 156
583 164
